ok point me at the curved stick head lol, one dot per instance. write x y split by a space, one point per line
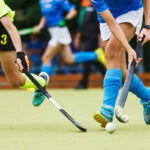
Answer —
118 113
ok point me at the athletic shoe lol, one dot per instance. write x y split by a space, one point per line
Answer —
104 116
100 119
146 111
38 97
100 55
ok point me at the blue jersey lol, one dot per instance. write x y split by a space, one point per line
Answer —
53 10
117 7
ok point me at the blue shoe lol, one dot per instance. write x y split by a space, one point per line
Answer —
146 111
104 116
38 97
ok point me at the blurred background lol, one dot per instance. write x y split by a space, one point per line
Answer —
28 15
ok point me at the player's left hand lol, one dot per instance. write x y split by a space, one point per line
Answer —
145 32
22 61
37 29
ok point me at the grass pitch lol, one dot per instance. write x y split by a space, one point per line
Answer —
25 127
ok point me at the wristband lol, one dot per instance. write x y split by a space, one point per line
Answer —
20 55
146 26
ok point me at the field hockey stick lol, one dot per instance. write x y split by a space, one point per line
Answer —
53 101
118 111
26 31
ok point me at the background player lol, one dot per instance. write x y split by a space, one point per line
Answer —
10 45
119 21
52 16
88 38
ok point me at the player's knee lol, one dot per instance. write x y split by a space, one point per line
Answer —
69 61
112 52
15 82
45 59
42 59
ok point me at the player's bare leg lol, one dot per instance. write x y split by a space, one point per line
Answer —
18 79
113 55
81 57
50 52
12 73
67 54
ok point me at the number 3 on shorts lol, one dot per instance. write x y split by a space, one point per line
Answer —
3 39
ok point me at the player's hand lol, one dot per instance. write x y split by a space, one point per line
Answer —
133 57
37 29
22 61
145 32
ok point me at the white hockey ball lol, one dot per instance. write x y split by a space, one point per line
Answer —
110 127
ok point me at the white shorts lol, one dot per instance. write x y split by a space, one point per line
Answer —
59 34
133 17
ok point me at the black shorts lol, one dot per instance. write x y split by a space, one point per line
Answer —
6 43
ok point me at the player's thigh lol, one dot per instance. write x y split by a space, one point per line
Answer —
113 45
67 54
105 43
10 69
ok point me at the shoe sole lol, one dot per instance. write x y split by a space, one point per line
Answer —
100 119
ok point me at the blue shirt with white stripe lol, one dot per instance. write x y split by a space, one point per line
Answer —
116 7
53 10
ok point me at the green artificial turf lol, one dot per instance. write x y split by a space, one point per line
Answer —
25 127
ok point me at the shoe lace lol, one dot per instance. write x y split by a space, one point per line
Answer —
38 95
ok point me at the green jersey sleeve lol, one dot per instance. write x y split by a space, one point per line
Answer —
4 9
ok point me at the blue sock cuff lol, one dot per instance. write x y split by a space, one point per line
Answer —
112 84
108 107
139 89
107 112
113 75
47 69
81 57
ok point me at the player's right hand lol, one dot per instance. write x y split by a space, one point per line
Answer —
144 32
37 29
